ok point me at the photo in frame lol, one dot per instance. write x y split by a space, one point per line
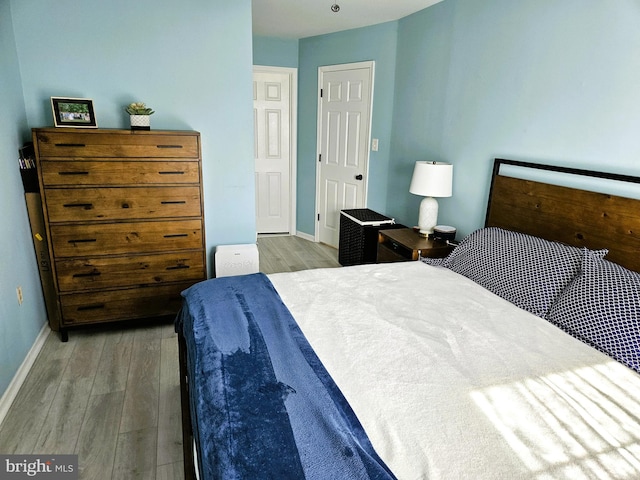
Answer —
73 112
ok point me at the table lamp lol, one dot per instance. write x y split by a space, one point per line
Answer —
431 179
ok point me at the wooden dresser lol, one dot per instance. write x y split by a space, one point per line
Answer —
124 219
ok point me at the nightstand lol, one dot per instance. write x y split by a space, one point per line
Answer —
404 244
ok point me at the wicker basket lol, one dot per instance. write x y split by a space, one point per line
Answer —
359 235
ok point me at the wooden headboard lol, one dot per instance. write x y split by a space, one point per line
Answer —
568 215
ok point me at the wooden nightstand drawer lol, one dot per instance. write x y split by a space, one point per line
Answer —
120 238
109 272
97 307
116 144
390 251
66 173
126 203
404 244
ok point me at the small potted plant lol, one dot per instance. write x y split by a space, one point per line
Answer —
139 115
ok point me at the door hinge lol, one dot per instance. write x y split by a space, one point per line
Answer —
321 93
318 217
319 157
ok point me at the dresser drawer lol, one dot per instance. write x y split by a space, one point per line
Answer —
120 238
96 307
116 144
121 203
108 272
114 172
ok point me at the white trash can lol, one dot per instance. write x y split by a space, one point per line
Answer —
236 260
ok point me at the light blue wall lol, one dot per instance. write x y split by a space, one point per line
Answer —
190 60
376 43
19 325
538 80
275 52
424 53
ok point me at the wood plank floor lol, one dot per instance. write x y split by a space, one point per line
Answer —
112 395
289 254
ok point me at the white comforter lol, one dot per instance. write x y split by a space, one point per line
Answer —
452 382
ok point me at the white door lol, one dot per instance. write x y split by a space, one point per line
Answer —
344 123
274 148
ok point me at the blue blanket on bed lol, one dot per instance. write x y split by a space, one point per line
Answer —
263 404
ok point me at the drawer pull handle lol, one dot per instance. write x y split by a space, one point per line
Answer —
83 240
171 173
73 173
70 145
176 235
86 275
86 206
173 202
96 306
178 267
169 146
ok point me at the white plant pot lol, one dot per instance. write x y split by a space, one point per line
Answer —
140 122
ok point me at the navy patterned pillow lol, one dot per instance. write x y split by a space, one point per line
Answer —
601 307
436 262
528 271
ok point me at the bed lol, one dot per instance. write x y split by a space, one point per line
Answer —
517 356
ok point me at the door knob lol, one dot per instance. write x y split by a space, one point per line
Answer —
358 177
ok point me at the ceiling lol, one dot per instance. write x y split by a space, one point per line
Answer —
306 18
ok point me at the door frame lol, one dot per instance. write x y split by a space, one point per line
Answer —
293 136
371 65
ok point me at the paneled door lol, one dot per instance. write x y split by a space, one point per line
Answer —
344 124
274 94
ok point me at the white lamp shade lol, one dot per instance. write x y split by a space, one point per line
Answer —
432 179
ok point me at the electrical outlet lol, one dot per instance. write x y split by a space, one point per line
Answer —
20 297
374 145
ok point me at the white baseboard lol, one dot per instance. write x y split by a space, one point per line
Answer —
18 379
305 236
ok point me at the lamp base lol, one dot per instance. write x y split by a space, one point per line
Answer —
428 216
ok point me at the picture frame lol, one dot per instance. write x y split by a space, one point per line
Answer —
73 112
